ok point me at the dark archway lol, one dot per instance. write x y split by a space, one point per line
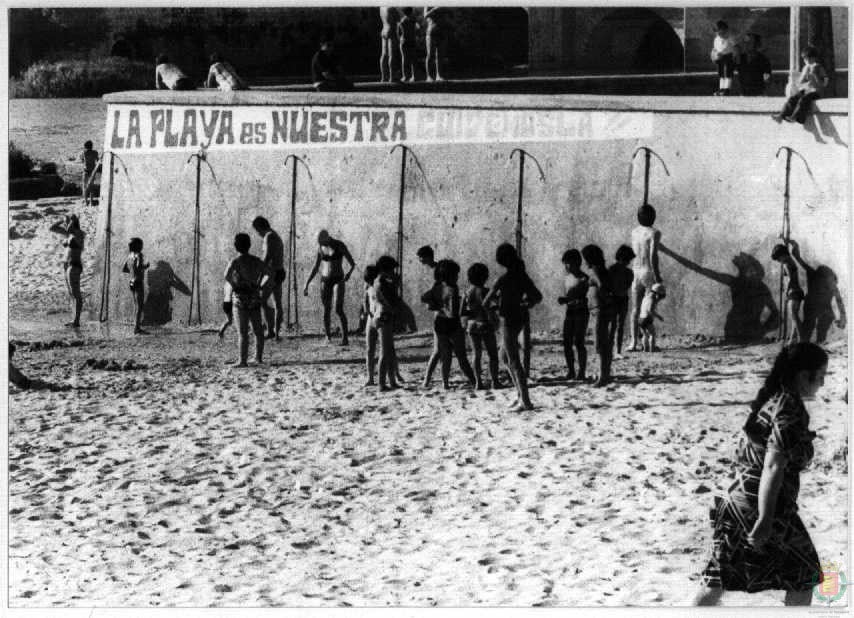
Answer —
487 41
635 41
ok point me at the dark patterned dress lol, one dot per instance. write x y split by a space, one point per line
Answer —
788 560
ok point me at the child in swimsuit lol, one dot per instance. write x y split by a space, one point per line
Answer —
794 291
135 266
576 283
384 287
480 323
515 292
603 310
648 315
645 241
621 278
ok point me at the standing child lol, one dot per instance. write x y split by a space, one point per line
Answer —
406 28
227 308
794 291
427 257
811 84
603 313
645 241
388 35
575 285
370 306
724 49
385 287
135 267
481 324
436 36
249 278
89 158
444 299
621 278
648 315
515 292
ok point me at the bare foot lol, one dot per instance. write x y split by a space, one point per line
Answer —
602 382
139 331
370 383
239 364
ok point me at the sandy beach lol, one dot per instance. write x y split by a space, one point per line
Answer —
156 475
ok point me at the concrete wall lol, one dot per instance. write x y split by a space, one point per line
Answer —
719 210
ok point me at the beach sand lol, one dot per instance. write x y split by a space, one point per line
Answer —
159 476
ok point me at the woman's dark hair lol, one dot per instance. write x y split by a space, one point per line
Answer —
242 242
624 254
646 215
779 252
386 263
507 257
593 255
371 273
791 360
135 244
447 271
161 59
478 273
571 256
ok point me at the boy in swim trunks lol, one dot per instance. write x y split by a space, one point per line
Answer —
273 254
794 291
330 255
645 241
576 284
621 279
135 266
481 323
73 263
426 256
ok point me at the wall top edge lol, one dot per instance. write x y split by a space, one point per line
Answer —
688 104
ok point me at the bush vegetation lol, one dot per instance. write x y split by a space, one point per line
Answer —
82 78
20 165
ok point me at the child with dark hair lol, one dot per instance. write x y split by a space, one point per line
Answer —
427 258
822 290
387 300
575 285
645 241
759 540
724 50
794 292
135 266
811 83
89 158
249 278
480 323
603 312
326 71
515 293
369 307
621 280
444 299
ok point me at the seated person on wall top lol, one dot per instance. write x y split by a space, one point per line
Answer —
223 76
753 67
326 72
169 76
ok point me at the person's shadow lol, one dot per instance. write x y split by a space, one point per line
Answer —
754 313
821 127
157 309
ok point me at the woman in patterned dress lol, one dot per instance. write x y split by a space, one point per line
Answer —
759 542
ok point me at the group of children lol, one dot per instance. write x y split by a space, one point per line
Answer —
500 314
402 28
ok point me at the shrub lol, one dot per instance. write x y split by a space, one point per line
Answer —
82 78
20 165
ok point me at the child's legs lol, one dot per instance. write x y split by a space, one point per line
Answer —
790 104
603 344
793 305
621 323
370 349
823 322
804 106
568 354
708 596
445 352
510 343
340 290
579 332
638 291
257 323
431 51
385 57
458 341
386 339
492 353
477 346
242 333
525 342
434 357
326 292
139 300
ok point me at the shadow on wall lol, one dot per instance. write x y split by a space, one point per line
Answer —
162 280
821 127
754 312
404 319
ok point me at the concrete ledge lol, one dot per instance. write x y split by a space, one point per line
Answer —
666 104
